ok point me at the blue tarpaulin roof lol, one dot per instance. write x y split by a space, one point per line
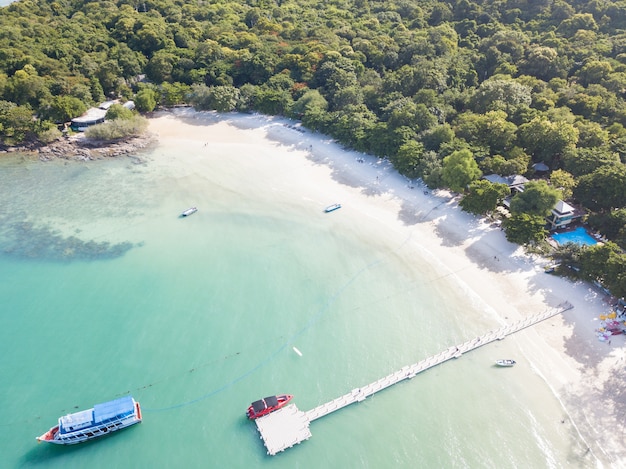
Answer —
110 409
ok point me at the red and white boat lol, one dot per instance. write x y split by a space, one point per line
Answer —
269 404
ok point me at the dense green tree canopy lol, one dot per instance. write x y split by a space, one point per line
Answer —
604 189
459 170
63 108
407 159
146 100
524 228
583 161
612 224
484 196
564 182
117 111
491 130
546 140
537 199
606 263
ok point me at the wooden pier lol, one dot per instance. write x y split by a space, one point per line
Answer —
289 426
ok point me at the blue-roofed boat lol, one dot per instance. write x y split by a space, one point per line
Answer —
101 420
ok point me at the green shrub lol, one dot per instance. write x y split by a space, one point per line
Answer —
117 111
119 128
146 100
49 135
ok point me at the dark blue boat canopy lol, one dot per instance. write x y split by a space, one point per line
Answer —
263 404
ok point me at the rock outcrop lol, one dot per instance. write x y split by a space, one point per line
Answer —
82 148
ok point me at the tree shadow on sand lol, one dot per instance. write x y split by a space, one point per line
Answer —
614 387
410 214
607 402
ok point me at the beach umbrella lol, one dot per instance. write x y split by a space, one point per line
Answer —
603 316
612 315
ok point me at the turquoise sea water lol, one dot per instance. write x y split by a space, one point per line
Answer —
105 291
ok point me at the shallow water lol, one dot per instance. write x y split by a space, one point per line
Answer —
106 291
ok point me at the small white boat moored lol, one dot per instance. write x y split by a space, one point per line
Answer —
332 208
505 362
101 420
189 211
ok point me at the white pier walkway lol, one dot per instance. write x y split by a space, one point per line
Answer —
289 426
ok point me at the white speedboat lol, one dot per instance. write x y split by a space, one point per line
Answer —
505 362
189 211
332 208
101 420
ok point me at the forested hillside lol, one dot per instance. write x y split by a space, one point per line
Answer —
447 90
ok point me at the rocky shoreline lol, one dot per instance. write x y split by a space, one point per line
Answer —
80 148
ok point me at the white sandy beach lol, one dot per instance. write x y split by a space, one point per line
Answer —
585 374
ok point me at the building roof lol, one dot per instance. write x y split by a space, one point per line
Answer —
562 208
515 180
495 179
92 115
107 104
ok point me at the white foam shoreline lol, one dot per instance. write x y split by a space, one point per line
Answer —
582 372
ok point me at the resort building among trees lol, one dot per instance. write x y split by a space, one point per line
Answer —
562 215
96 115
93 116
515 182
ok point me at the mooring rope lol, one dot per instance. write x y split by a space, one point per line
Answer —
282 347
